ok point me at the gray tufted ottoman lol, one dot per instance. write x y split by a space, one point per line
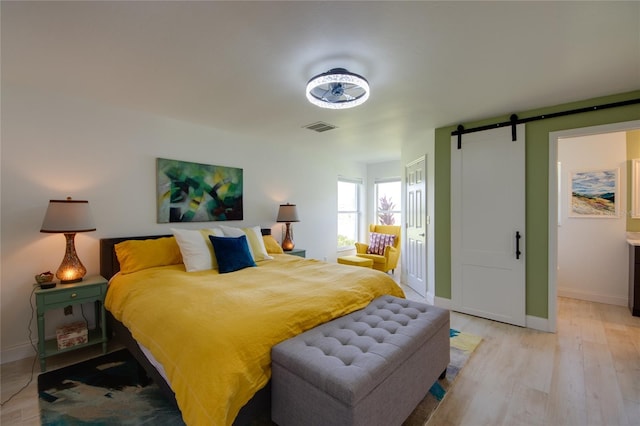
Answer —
371 367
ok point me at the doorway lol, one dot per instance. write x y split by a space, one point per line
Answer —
415 246
556 215
592 251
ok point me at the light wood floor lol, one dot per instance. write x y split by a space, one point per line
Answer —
588 373
22 409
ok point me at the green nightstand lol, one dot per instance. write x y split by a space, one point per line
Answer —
91 289
297 252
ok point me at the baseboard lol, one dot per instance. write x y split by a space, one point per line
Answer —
592 297
430 298
538 323
442 302
16 353
535 323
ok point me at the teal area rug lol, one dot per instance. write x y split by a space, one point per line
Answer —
114 390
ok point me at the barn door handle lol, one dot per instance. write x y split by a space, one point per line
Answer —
421 235
518 252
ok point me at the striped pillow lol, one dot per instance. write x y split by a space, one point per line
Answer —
377 243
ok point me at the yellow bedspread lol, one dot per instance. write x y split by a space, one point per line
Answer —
213 332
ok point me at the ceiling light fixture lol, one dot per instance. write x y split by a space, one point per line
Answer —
338 89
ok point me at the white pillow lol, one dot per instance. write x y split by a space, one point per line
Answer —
254 238
196 249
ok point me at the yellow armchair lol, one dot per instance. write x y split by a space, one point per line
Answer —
389 260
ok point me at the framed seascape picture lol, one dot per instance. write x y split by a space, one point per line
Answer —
193 192
594 193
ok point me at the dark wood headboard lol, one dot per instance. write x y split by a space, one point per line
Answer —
109 264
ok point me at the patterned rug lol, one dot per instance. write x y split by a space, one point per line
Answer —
462 346
113 390
109 390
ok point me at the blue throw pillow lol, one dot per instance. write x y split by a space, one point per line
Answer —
232 253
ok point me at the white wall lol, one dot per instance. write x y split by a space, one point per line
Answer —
592 252
54 146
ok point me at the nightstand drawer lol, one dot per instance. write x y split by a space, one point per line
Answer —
71 295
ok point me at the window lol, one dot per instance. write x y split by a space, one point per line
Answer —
388 202
348 213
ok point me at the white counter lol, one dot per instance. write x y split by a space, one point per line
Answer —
633 238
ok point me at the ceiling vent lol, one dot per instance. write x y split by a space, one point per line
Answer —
320 126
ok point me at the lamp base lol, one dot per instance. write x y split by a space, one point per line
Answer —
76 280
287 242
71 270
287 245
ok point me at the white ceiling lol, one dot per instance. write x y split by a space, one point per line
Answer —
242 66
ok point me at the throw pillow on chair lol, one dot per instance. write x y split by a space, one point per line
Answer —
377 243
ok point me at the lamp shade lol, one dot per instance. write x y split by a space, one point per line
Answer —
287 213
68 216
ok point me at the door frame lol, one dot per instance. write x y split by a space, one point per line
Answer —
429 158
426 219
553 203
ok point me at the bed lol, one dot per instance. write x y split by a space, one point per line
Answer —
205 337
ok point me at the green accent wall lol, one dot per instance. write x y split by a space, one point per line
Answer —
633 151
537 184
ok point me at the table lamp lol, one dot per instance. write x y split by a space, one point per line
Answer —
69 217
287 214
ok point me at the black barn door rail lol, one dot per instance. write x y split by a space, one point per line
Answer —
514 120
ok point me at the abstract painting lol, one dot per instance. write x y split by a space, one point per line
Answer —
594 193
193 192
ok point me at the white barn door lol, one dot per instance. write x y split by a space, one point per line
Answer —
487 225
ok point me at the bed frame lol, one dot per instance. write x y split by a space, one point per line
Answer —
109 266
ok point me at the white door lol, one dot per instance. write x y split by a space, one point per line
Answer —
487 225
415 255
